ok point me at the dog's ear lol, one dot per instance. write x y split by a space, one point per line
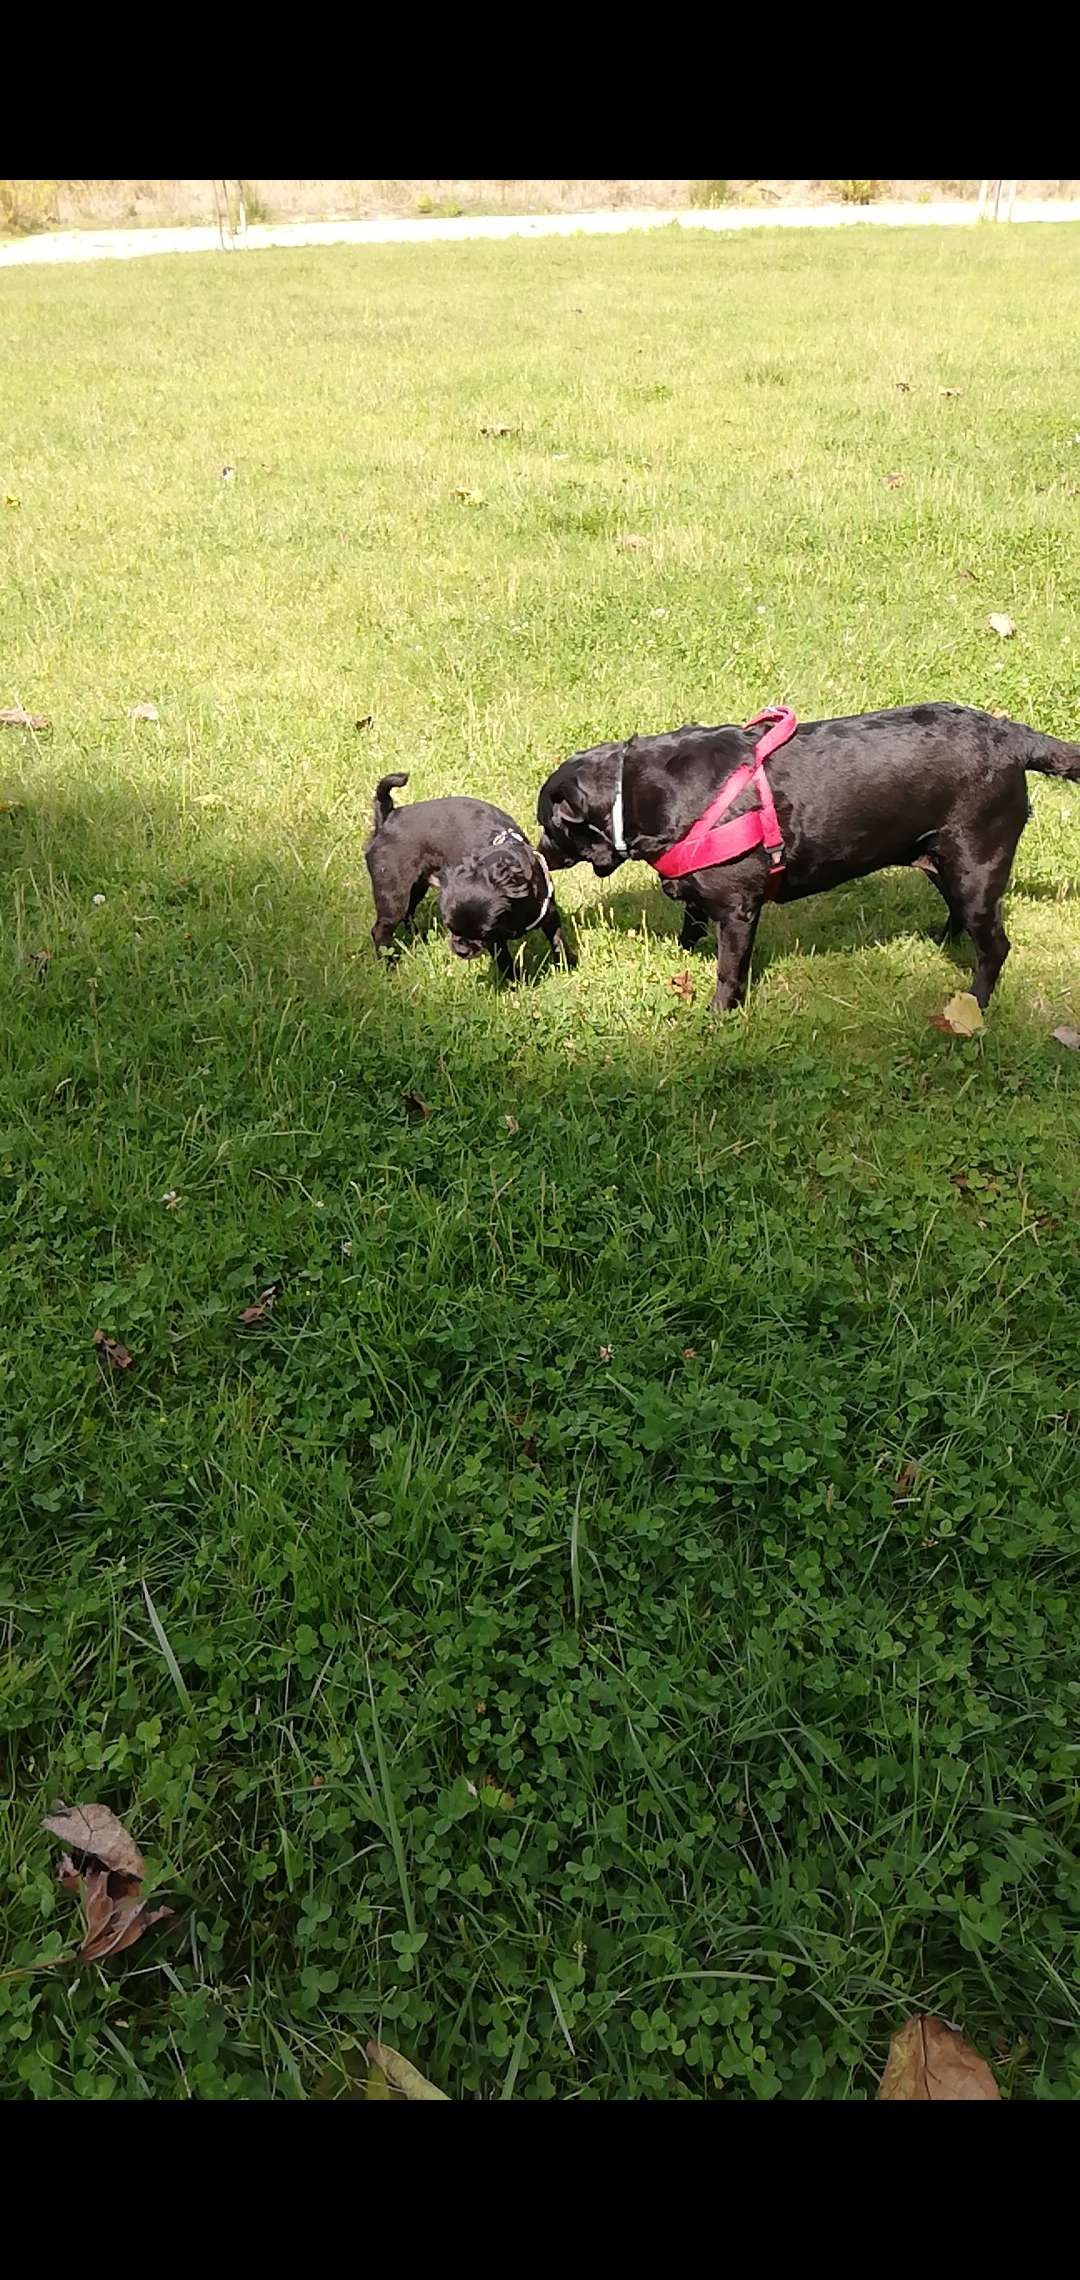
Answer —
512 872
564 812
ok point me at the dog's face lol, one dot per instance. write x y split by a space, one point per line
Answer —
574 811
491 897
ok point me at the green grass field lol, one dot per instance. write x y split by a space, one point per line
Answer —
621 1603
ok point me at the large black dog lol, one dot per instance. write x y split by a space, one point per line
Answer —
492 885
938 787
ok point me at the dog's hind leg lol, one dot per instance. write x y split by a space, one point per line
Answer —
954 927
975 860
395 910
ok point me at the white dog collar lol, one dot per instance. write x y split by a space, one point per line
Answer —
618 839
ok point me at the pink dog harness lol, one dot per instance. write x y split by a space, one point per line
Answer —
708 841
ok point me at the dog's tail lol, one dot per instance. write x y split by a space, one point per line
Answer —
1050 757
384 805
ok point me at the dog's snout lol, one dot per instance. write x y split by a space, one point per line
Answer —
554 860
463 949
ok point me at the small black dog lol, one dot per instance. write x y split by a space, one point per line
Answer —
492 885
937 787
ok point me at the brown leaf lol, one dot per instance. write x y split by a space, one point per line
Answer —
904 387
632 542
364 721
950 391
468 498
10 499
127 1920
905 1480
262 1306
92 1829
893 482
968 577
143 712
1000 624
15 717
606 1353
928 2060
1070 1038
498 429
114 1353
10 807
511 1123
399 2076
683 986
98 1905
415 1105
40 961
67 1873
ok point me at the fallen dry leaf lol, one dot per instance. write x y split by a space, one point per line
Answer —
143 712
10 499
415 1105
110 1881
1000 624
127 1919
949 391
683 986
398 2076
928 2060
97 1903
961 1017
262 1306
10 807
364 721
498 429
904 387
468 498
1070 1038
968 577
228 474
39 961
511 1123
14 716
94 1830
114 1353
905 1480
632 542
893 482
606 1353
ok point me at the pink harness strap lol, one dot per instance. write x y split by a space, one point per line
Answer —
707 842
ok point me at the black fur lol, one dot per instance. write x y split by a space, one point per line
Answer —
488 894
939 787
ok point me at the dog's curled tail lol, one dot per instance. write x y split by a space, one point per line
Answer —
384 805
1050 757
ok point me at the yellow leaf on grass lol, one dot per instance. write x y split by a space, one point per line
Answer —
961 1017
964 1014
398 2075
930 2061
999 623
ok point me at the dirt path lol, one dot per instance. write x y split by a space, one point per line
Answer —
125 245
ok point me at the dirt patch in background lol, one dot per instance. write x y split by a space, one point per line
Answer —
97 204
